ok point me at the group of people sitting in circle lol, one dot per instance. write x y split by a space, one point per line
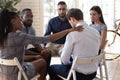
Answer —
71 36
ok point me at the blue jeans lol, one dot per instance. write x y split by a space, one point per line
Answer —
63 70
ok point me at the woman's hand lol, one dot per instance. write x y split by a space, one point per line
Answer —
58 35
79 28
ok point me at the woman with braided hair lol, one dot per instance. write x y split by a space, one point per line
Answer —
13 42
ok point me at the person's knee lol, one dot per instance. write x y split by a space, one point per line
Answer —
41 63
38 57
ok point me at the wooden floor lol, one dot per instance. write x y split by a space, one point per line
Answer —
113 67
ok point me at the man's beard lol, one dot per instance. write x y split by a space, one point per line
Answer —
62 16
27 24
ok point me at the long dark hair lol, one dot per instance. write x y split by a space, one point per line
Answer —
5 24
99 11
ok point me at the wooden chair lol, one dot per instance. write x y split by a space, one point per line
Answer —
77 60
102 64
15 62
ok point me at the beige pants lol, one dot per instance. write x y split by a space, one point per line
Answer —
55 48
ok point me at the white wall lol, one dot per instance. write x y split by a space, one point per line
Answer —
37 8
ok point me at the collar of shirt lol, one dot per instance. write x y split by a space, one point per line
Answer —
80 24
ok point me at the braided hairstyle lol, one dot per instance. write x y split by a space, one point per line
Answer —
5 24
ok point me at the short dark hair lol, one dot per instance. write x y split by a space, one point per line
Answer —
61 3
76 13
24 10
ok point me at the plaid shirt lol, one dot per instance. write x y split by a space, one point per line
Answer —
14 47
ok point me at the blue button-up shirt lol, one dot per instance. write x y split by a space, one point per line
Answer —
56 25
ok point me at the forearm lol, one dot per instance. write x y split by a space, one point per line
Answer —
28 58
58 35
28 52
67 50
31 57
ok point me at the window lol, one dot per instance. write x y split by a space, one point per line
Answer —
110 10
50 7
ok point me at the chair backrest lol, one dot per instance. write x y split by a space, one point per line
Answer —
99 58
83 61
103 64
14 62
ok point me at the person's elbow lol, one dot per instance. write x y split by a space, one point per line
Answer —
65 61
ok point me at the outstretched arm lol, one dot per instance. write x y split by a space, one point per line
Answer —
58 35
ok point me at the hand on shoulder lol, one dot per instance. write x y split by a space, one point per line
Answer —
79 28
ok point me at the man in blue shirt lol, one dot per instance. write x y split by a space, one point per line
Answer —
58 24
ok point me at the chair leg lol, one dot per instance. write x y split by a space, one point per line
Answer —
101 74
19 75
74 75
106 74
69 75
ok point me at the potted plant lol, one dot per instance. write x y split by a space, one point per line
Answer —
9 4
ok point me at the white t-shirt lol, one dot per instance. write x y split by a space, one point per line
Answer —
82 44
